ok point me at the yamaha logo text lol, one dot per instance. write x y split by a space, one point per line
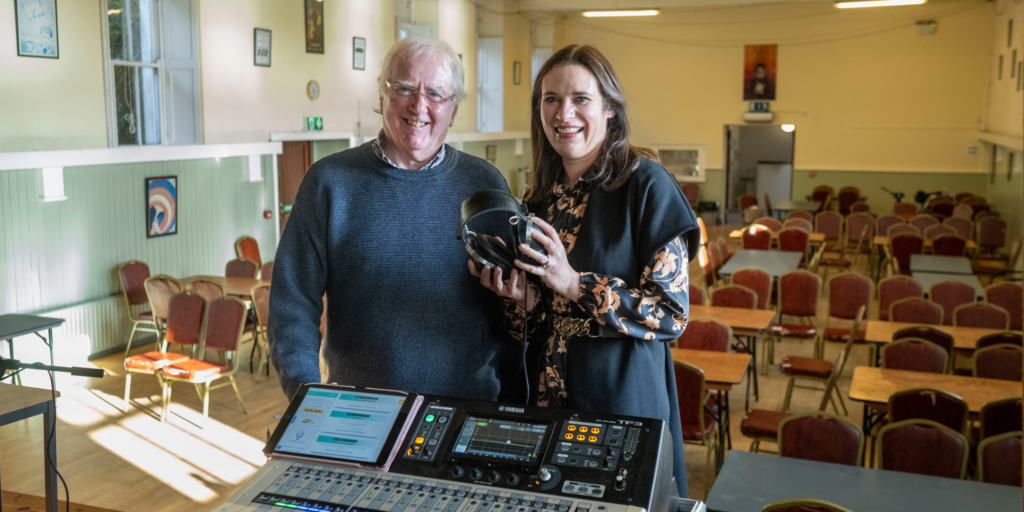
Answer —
504 408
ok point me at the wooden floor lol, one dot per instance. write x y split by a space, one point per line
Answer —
27 503
131 461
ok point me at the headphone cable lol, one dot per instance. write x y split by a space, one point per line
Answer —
526 317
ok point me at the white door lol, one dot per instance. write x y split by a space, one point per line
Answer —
776 180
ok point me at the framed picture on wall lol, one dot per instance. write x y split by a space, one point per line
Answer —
35 24
517 73
759 63
161 206
261 47
314 10
358 53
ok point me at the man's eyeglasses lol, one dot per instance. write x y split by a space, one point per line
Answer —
406 94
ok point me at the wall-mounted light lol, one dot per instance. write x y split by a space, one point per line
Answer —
616 14
788 128
876 3
51 180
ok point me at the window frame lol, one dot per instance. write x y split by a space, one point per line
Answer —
702 160
108 82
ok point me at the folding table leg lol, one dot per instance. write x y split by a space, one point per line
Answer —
50 453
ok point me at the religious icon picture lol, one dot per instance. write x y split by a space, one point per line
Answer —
314 26
161 206
759 63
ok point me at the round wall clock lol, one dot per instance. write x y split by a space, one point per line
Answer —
313 90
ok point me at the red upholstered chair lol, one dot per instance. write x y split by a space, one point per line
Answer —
734 296
705 334
999 417
895 288
902 229
944 408
905 209
224 324
1008 296
948 245
855 225
803 224
267 272
183 325
698 427
716 259
804 505
915 311
991 233
746 201
794 240
963 211
999 459
960 196
916 355
692 193
798 297
756 280
995 267
951 295
246 247
943 210
133 287
846 200
998 362
962 226
159 290
818 370
696 296
821 437
883 223
903 246
823 194
923 447
831 225
261 303
1000 338
723 250
796 214
770 223
242 267
847 293
859 207
981 314
207 289
933 232
757 237
940 338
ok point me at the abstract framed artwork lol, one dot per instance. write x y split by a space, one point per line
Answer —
161 206
35 24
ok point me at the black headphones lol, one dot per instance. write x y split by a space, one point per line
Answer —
486 250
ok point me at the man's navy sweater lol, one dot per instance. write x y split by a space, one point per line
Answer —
403 311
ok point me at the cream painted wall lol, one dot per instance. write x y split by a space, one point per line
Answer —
244 103
865 91
1006 101
456 24
50 104
517 97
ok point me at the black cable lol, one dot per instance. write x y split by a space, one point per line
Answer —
53 393
526 316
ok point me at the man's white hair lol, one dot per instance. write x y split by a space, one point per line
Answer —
415 47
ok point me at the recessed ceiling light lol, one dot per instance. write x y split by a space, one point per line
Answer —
613 14
876 3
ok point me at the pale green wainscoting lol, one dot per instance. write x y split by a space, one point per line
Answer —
870 183
60 258
1007 197
507 161
322 148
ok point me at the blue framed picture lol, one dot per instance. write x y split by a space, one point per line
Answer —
161 206
35 26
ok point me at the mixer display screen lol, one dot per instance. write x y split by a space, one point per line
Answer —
512 441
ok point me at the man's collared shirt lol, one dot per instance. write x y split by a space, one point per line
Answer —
378 149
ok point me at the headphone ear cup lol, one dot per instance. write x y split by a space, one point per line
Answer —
496 252
534 244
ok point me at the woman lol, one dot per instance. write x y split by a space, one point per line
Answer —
617 231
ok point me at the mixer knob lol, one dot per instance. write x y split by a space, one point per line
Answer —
457 471
476 474
544 475
494 477
512 479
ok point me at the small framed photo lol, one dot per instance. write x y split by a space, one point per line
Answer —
161 206
517 72
492 154
314 26
35 24
358 53
261 47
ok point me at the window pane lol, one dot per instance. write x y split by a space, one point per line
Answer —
134 33
115 20
124 98
149 98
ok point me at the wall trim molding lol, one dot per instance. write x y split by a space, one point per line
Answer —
896 171
128 155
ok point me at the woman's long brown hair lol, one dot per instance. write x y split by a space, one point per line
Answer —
617 158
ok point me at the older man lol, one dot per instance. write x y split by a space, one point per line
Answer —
373 227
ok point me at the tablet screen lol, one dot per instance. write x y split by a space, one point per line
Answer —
343 424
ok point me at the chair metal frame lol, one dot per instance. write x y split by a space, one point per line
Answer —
837 368
261 331
930 423
136 321
769 339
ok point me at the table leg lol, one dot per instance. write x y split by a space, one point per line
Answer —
49 424
753 369
53 375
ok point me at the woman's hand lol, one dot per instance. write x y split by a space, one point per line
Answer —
514 288
554 269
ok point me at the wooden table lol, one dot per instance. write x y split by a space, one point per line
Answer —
775 263
749 481
749 323
18 403
929 279
884 240
800 206
815 238
239 287
940 264
964 338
